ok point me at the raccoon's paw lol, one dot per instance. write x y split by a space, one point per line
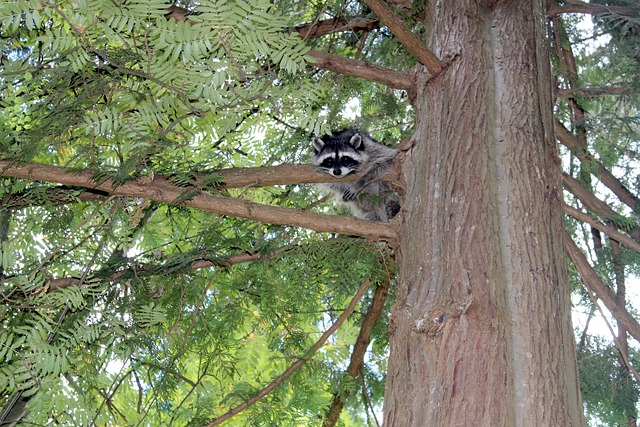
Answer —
349 195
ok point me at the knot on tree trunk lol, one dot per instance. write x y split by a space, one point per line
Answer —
433 322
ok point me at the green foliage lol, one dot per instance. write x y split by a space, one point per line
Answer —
122 82
121 311
168 344
605 58
136 336
608 389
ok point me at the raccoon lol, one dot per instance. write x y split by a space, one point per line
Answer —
349 151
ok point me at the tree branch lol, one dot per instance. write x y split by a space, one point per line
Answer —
162 190
597 168
266 176
609 231
329 26
362 69
298 363
305 31
359 349
65 282
575 6
592 203
587 198
594 283
58 196
596 91
405 36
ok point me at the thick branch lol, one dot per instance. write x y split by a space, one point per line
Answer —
406 37
575 6
161 190
597 168
330 62
587 198
266 176
338 64
365 70
594 283
592 203
298 363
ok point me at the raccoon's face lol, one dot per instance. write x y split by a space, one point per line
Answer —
338 158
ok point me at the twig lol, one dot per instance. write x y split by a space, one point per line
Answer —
359 350
368 399
616 341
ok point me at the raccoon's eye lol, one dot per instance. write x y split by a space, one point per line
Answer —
327 163
348 162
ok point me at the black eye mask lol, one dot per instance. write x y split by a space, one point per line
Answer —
348 162
327 163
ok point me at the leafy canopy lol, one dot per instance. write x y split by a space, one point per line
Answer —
122 310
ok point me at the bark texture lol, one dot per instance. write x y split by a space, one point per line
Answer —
481 331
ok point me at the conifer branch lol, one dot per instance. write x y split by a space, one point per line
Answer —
609 231
330 26
597 168
405 36
587 198
335 63
65 282
595 91
592 203
594 283
298 363
58 196
386 76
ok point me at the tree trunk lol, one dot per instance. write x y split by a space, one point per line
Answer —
481 330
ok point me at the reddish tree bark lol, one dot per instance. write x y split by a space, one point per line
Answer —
481 331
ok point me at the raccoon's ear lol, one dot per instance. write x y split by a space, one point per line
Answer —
356 141
317 144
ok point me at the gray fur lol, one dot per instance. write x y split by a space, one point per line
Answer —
350 151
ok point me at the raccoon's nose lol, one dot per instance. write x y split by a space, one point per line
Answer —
337 172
